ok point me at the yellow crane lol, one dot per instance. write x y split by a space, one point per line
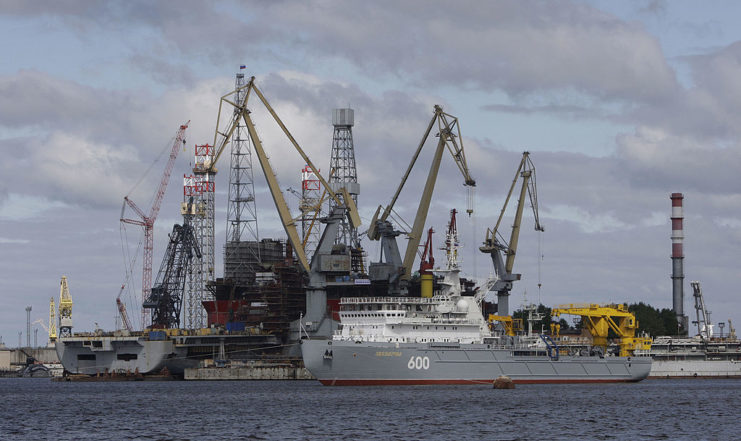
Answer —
65 309
52 321
237 110
599 319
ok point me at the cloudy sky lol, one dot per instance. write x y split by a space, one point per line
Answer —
619 103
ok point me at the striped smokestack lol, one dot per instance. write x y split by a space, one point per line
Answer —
678 261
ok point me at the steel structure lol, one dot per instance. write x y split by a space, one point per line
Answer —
65 309
678 261
200 186
344 174
451 242
28 326
147 220
393 268
166 298
703 322
600 319
310 206
495 245
52 321
223 135
241 224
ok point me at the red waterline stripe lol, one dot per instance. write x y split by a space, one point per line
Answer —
337 382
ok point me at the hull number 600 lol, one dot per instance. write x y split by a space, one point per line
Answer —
419 362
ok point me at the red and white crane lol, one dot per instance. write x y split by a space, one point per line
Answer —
147 220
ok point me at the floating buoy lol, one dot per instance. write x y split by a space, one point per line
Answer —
503 382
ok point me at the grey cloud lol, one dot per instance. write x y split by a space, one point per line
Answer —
518 47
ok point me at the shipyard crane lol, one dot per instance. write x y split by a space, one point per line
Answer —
65 309
52 321
122 311
703 322
600 319
495 245
40 322
394 269
147 220
239 110
166 298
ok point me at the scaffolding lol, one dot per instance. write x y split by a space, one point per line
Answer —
200 186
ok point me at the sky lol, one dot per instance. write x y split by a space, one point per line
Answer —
619 103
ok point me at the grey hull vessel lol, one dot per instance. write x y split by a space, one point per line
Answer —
377 363
121 354
151 352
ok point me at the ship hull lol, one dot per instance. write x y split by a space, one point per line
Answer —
375 363
93 355
696 369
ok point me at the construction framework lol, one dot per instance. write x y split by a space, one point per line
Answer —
241 256
201 187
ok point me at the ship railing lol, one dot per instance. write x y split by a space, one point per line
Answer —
391 300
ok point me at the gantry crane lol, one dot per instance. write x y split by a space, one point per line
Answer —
393 269
239 111
147 220
65 309
496 247
599 319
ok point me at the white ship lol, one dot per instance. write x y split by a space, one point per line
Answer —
445 339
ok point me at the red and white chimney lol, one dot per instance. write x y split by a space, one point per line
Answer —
678 261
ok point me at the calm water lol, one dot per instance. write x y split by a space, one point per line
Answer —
654 409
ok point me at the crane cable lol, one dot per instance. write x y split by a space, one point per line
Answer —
540 259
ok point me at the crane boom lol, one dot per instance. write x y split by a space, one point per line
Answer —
600 319
122 311
450 139
147 220
503 267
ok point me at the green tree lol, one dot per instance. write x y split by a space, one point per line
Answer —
653 320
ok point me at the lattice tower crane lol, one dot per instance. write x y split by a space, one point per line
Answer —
166 297
147 220
495 245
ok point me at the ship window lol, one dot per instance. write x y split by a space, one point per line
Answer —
126 357
97 344
86 357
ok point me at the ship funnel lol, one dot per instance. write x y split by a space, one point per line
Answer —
678 261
